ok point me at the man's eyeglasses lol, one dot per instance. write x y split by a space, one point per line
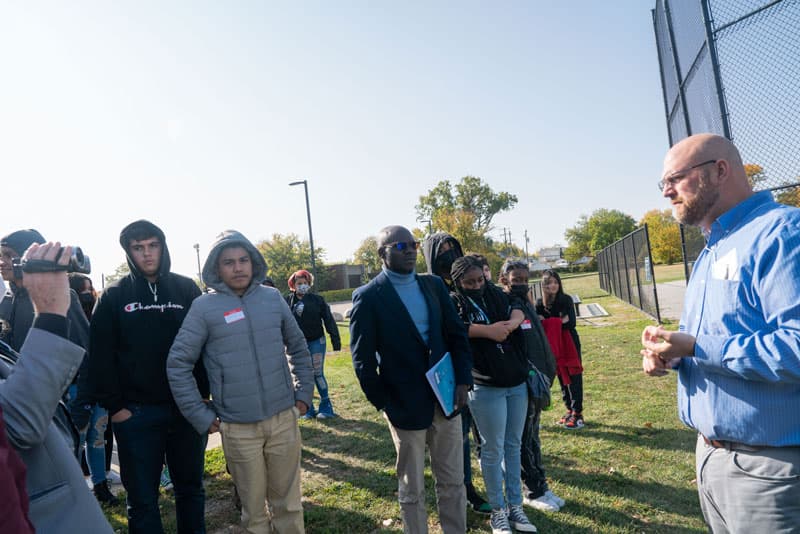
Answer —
403 245
676 177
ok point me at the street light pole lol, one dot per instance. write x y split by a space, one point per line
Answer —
527 256
310 234
430 225
197 251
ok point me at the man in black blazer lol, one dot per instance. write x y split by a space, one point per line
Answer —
400 326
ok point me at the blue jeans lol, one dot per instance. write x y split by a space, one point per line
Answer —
317 349
94 438
500 416
91 421
143 440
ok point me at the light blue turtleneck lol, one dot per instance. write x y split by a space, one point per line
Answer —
410 293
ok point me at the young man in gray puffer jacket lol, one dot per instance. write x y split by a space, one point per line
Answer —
261 378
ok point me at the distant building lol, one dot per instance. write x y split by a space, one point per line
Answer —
551 254
345 276
538 266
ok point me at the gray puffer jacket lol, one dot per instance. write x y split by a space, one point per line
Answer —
255 355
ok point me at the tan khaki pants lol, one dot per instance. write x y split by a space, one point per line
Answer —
443 438
264 461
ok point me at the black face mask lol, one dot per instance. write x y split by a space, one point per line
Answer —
474 294
519 290
87 299
444 262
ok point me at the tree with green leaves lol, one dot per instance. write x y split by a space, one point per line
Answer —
464 210
286 254
596 232
121 271
367 255
665 236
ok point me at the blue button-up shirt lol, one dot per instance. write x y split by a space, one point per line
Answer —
743 307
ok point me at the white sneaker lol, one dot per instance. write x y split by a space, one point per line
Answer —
499 522
89 482
518 519
555 498
113 477
542 503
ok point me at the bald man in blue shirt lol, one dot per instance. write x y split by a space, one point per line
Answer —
737 351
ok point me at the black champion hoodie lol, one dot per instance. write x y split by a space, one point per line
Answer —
132 330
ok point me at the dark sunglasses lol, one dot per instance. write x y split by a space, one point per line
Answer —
402 245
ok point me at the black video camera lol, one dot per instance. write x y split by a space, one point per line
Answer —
78 263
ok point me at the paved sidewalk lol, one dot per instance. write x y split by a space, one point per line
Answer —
670 299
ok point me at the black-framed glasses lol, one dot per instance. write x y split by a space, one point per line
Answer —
403 245
677 176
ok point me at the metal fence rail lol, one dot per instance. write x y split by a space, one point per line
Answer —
626 271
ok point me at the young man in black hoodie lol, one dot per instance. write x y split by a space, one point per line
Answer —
134 324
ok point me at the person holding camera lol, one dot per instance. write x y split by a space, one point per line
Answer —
16 308
134 324
56 490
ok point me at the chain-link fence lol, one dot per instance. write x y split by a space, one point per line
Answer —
732 67
626 271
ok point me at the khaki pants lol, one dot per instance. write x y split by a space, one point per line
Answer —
264 461
443 438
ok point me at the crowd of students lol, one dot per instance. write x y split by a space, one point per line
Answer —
165 366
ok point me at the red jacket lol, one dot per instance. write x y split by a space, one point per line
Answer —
13 496
567 360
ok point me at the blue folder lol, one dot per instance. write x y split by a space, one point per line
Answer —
442 379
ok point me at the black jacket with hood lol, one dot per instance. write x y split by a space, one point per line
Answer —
431 250
316 312
132 330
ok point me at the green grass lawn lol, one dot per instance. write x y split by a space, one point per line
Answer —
631 469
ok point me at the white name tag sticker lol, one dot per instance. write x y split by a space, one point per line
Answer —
526 324
234 315
726 267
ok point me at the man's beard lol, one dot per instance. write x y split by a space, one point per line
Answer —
695 209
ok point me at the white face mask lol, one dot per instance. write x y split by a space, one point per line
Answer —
302 289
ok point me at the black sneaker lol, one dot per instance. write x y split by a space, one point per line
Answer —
104 495
574 422
476 501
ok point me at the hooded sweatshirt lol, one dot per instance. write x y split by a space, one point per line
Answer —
132 330
255 353
439 262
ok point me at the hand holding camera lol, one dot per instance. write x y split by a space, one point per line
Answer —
48 289
77 262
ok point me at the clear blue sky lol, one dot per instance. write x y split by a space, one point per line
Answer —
196 115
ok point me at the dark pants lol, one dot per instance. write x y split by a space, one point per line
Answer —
468 425
572 395
466 422
534 482
156 430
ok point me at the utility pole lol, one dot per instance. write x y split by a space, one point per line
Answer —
508 247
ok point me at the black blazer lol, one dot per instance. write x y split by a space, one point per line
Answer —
390 357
